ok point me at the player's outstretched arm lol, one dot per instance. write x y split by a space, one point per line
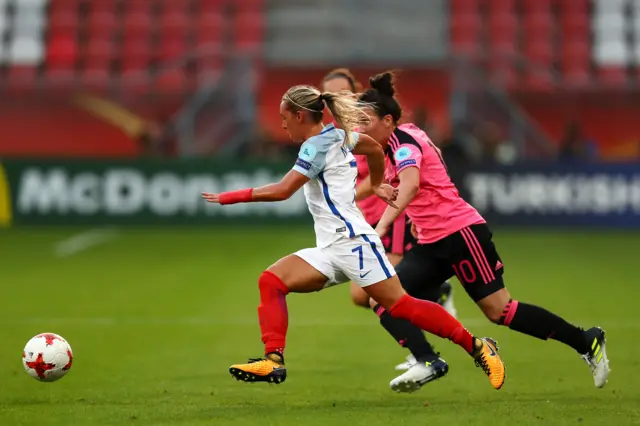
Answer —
283 190
280 191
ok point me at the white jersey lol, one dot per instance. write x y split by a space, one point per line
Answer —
331 192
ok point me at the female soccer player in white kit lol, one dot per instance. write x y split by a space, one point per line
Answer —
347 247
423 361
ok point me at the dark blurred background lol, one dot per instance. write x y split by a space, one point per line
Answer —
533 102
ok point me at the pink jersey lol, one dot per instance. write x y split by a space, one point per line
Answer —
372 207
437 209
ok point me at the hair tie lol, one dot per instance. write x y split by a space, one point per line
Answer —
322 97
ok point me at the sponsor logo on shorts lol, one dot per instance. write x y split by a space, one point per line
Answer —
304 164
343 229
365 274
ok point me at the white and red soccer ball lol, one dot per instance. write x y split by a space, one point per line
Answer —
47 357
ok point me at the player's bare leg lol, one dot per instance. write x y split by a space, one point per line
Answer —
535 321
431 317
289 274
359 297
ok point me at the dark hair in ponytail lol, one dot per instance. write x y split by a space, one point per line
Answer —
381 95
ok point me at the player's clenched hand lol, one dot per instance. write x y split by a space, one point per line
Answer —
211 197
386 192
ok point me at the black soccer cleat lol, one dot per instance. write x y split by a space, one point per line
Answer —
596 358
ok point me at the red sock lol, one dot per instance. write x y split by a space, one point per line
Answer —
433 318
272 312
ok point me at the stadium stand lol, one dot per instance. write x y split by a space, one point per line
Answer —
97 43
534 44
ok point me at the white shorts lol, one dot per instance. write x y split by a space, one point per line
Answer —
361 259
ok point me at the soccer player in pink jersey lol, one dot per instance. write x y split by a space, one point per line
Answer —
453 238
347 247
427 364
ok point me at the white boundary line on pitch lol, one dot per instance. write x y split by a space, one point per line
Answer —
198 321
83 241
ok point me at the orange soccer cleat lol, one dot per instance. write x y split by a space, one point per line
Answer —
260 370
487 358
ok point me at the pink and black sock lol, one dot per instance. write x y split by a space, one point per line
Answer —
538 322
407 335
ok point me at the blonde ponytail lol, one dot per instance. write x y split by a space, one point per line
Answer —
347 112
344 106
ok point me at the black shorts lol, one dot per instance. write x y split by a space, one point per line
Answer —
399 239
469 254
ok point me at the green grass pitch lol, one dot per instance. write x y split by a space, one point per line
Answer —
156 316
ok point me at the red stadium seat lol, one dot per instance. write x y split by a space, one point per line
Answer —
574 7
503 57
576 63
98 78
248 30
209 6
174 27
61 53
102 7
210 29
576 27
176 7
135 56
539 72
174 81
22 77
502 6
465 34
463 7
171 51
540 54
537 27
253 6
102 26
503 28
613 75
62 25
137 25
536 6
137 7
97 54
57 6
